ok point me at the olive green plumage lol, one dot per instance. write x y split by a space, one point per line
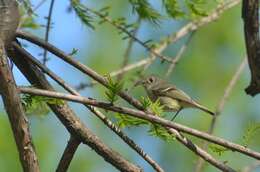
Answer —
172 98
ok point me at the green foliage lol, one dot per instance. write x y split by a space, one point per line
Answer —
154 129
128 121
113 89
37 105
26 4
145 101
145 10
29 22
28 17
173 8
154 107
82 13
195 9
218 149
73 52
161 132
250 132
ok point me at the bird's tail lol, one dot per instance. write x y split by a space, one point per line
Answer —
203 108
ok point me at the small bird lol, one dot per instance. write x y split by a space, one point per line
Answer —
169 96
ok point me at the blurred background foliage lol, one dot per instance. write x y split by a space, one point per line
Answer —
208 64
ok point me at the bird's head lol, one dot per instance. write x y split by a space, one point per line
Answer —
148 82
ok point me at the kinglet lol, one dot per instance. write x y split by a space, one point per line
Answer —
169 96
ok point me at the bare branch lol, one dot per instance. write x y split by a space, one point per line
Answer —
200 152
191 27
179 55
102 117
144 115
123 29
48 27
17 118
68 154
88 71
70 120
188 28
133 101
220 107
129 48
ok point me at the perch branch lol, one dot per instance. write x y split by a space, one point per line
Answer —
144 115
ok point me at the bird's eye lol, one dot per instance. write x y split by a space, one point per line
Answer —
150 80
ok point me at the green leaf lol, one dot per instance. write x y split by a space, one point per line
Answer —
145 10
82 13
29 22
113 89
218 149
37 105
161 132
73 52
129 121
173 9
250 132
195 9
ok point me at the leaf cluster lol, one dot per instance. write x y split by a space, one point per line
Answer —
145 11
82 13
218 149
113 89
250 132
153 129
37 105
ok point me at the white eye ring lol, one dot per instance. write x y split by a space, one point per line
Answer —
150 80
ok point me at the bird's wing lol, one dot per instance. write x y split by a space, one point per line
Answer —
173 92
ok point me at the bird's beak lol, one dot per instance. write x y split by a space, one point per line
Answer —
140 82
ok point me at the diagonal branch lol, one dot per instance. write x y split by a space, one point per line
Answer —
84 69
70 120
162 45
144 115
68 154
95 111
17 118
220 107
200 152
134 102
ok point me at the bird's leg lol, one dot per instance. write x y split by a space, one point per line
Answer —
176 114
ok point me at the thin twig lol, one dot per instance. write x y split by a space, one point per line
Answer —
48 27
129 48
200 152
83 68
143 115
220 107
68 154
102 117
179 55
123 29
31 11
251 167
188 28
